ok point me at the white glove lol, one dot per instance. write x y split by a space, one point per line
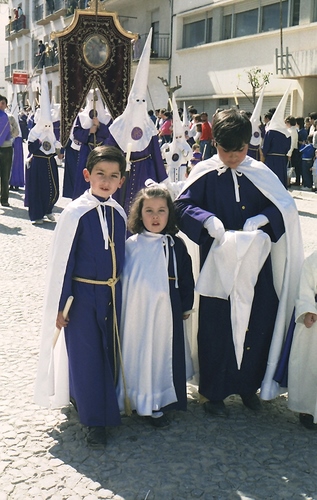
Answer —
214 227
255 222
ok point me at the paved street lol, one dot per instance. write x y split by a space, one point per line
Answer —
43 454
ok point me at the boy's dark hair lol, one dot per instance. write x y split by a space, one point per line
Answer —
231 129
106 153
3 98
300 121
135 224
291 120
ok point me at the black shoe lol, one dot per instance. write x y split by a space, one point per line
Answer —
216 408
5 204
96 437
252 401
160 422
307 421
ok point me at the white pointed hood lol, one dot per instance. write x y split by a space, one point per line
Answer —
178 152
134 126
94 104
278 119
43 129
256 122
15 110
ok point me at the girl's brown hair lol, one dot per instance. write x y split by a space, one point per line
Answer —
135 223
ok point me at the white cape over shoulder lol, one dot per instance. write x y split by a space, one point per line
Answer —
302 368
146 325
52 385
287 254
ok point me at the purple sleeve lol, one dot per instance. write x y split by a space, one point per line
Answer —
190 212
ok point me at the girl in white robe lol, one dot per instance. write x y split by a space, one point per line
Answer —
302 368
158 290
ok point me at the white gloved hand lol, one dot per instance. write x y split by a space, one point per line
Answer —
255 222
214 227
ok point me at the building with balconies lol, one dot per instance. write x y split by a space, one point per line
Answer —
202 50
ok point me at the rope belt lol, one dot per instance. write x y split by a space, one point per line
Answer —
94 144
275 154
109 282
140 159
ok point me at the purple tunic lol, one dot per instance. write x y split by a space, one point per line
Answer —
89 334
41 183
219 374
146 164
70 169
17 171
275 148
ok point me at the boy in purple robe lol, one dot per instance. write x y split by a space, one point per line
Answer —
86 262
232 206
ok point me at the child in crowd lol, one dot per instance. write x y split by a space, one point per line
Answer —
86 261
197 156
302 368
308 155
158 290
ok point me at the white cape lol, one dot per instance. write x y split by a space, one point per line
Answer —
302 368
146 325
52 384
287 253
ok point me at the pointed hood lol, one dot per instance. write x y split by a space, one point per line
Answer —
185 119
134 126
178 152
43 129
94 104
278 120
256 122
15 110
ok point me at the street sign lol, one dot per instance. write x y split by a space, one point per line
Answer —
20 77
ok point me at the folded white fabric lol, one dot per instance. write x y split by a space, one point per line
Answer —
231 269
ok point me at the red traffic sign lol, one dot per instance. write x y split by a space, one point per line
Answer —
20 77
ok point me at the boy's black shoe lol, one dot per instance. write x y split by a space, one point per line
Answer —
160 422
252 401
216 408
307 421
96 437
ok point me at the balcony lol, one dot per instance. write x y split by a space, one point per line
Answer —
16 28
49 11
160 47
50 61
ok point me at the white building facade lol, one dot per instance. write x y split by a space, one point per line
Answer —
202 50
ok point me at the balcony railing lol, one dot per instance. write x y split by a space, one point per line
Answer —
47 60
160 46
49 10
16 28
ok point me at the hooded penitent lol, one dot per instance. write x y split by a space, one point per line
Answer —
178 152
43 129
134 126
277 122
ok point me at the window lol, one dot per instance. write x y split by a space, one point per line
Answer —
271 17
226 31
209 30
315 11
246 23
296 10
194 34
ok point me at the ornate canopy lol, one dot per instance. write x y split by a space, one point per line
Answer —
94 52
